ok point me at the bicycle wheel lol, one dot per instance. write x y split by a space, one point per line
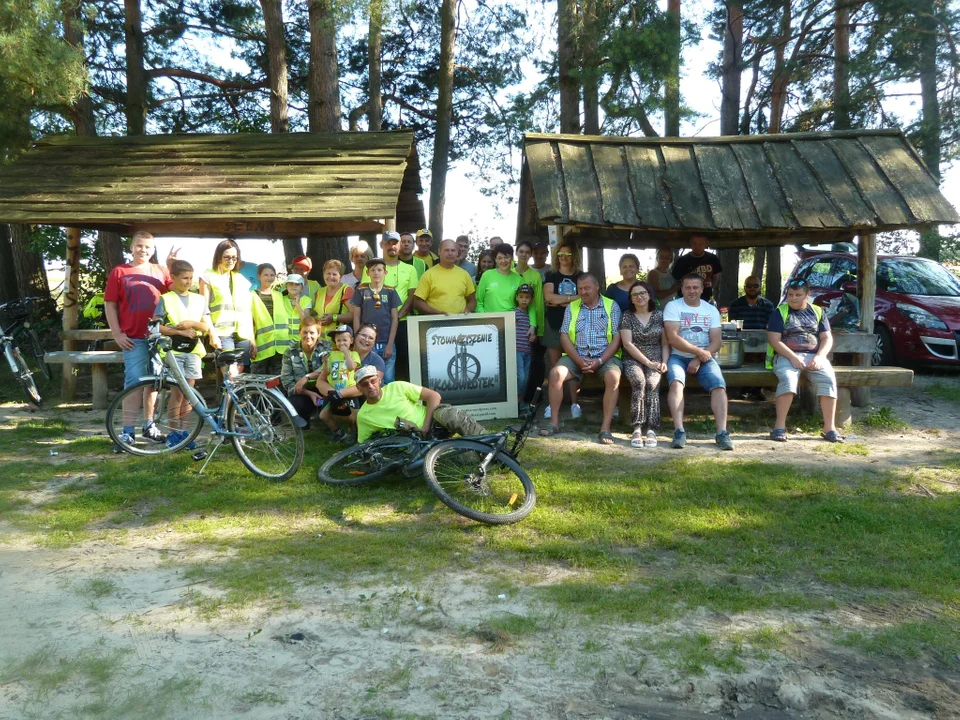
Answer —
497 494
366 462
24 376
270 444
166 417
36 349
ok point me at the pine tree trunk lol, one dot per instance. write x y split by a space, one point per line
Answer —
81 112
441 142
323 112
729 121
276 64
136 104
111 249
781 74
841 66
31 275
292 249
375 32
567 61
671 91
8 273
591 109
774 278
759 255
929 140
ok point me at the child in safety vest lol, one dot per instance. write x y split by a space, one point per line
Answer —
339 367
269 323
297 305
184 316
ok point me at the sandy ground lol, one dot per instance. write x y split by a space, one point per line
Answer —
114 619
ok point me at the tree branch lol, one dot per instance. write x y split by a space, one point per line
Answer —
203 77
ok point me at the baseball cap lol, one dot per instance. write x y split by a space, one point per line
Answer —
340 329
304 261
424 231
294 278
391 236
525 288
367 371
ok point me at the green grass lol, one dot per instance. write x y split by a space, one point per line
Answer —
847 448
693 653
882 419
938 638
944 391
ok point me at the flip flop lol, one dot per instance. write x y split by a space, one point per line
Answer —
605 438
833 436
549 430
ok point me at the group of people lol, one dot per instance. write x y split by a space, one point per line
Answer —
335 345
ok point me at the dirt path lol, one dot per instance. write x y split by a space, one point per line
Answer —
110 628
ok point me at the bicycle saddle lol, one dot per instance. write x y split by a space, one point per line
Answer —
229 357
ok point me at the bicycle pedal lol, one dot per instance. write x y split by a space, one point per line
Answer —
199 455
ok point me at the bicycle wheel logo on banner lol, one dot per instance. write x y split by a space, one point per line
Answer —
465 361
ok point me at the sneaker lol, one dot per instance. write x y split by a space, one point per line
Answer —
175 437
546 413
152 432
724 441
651 440
124 438
575 411
679 439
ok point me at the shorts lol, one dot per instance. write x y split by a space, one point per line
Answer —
551 337
824 380
708 375
136 363
567 362
235 342
191 365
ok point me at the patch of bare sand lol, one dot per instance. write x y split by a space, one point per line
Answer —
373 649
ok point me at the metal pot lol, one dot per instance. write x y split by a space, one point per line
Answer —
731 354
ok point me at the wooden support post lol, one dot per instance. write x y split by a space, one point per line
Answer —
390 224
71 309
867 294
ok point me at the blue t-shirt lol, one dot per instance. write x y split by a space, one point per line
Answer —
249 271
801 331
373 359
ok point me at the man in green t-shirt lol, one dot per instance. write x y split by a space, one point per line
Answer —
417 405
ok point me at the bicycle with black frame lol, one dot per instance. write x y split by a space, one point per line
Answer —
478 476
16 332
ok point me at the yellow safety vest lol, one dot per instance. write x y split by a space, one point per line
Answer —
231 303
336 306
784 312
177 313
575 313
293 319
272 335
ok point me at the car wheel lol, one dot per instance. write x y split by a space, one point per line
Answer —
883 353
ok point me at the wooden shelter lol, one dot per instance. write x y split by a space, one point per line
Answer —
739 191
237 186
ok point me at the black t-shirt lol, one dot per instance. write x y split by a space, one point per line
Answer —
562 285
706 266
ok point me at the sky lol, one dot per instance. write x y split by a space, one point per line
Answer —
468 211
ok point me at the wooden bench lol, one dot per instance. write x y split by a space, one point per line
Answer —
98 360
756 375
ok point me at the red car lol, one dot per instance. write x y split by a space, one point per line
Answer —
917 308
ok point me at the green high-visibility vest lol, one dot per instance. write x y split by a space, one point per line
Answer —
230 303
784 312
575 313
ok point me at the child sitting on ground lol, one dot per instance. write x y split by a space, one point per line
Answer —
526 335
185 316
339 367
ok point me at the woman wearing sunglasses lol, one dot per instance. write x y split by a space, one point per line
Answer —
231 301
559 290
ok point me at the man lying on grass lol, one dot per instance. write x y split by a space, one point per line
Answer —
419 406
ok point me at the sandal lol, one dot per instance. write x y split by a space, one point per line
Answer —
605 438
637 439
833 436
778 435
549 430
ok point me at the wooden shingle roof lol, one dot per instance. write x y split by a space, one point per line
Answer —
757 189
261 185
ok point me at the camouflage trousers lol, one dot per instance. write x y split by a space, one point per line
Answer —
456 421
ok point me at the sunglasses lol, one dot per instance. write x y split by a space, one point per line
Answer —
752 285
229 258
564 254
797 284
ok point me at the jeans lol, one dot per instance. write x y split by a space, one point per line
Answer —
709 373
136 363
390 364
523 371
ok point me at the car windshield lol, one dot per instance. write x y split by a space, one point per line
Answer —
916 277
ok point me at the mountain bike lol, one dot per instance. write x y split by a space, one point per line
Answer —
265 430
478 476
15 331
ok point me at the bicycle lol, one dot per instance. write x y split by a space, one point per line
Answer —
476 476
265 430
15 330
